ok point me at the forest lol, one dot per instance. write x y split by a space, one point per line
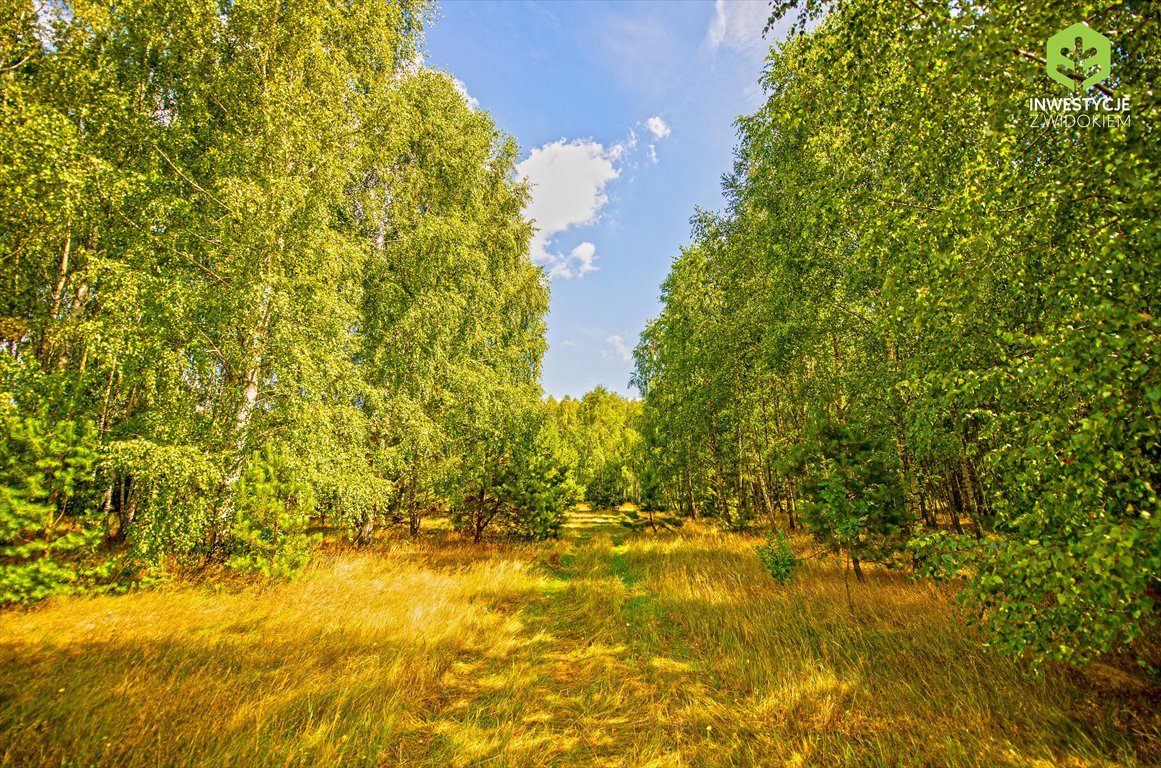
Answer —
924 329
279 483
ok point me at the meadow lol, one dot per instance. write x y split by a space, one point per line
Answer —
612 646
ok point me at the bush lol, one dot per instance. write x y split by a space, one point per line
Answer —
273 510
43 536
777 556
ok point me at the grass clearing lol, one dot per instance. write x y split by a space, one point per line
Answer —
611 647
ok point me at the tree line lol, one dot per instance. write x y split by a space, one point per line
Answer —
260 267
924 329
264 272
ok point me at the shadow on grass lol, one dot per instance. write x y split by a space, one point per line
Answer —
631 649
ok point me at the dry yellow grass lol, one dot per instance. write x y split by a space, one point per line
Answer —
608 648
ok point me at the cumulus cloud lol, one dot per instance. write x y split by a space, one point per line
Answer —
584 258
568 181
657 127
618 348
738 24
579 262
568 190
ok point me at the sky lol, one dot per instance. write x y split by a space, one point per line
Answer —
624 115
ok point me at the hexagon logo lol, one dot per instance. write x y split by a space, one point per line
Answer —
1079 57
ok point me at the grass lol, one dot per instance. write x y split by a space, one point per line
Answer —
611 647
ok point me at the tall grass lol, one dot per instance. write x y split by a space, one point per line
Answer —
608 648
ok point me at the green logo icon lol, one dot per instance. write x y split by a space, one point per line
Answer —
1079 57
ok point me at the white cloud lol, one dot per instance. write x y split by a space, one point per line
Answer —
622 149
657 127
738 24
619 349
584 256
568 181
581 261
568 190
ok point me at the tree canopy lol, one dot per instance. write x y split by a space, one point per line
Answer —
925 327
258 264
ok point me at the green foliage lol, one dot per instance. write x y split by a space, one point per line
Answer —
853 497
1056 592
601 428
777 556
533 487
164 497
228 225
968 296
44 533
541 486
274 508
652 490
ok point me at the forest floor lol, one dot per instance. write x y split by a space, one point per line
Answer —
610 647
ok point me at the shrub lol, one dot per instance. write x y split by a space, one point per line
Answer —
273 509
777 556
43 532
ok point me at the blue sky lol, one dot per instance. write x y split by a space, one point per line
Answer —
624 114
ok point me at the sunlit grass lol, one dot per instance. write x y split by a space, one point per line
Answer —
611 647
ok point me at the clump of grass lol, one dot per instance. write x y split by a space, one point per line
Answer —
608 648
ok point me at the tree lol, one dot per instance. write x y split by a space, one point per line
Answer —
256 248
601 427
527 486
43 470
921 304
854 498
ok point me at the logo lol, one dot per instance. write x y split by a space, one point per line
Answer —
1079 57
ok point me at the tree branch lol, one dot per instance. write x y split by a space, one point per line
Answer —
193 183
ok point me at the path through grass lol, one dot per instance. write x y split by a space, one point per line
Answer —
611 647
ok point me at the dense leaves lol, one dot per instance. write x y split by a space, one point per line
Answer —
600 433
43 469
258 265
929 314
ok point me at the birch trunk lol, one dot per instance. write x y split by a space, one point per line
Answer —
255 348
